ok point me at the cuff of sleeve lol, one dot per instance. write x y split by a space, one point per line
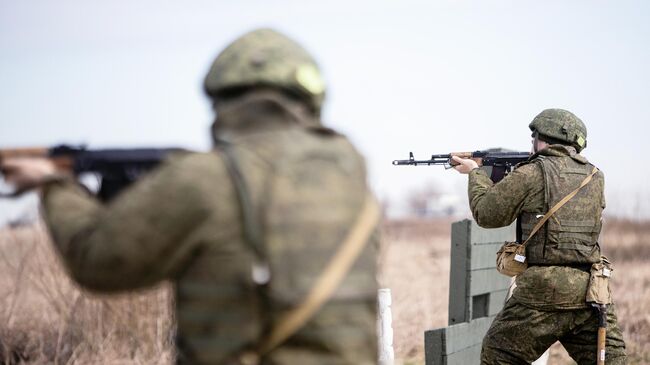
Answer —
479 171
59 181
479 176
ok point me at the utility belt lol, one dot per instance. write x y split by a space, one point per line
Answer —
598 292
581 267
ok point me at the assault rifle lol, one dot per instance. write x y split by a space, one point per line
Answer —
500 163
116 168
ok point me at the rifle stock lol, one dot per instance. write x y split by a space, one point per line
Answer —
63 163
23 152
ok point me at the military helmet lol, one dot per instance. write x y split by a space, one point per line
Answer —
265 57
560 125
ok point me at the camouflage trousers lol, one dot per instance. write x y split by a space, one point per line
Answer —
520 334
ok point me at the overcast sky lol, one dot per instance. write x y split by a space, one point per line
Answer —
421 76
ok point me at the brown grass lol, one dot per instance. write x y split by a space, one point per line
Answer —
45 318
415 266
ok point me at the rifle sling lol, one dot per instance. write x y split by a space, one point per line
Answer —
329 279
252 234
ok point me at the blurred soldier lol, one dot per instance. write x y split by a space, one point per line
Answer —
548 303
244 231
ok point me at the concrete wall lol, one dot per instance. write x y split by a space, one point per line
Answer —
476 294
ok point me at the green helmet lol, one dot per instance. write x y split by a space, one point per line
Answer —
562 126
265 57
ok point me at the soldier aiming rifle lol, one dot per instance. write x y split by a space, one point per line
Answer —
270 238
557 198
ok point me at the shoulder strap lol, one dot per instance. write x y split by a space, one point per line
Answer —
329 279
559 205
252 235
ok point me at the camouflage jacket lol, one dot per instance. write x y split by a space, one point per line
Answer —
498 205
183 222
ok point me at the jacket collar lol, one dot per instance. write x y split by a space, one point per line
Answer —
259 112
559 150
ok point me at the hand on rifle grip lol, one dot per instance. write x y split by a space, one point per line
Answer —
27 172
464 165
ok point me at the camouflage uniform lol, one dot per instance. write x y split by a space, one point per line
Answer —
184 222
548 303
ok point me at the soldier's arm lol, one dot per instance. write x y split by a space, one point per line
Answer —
498 205
141 237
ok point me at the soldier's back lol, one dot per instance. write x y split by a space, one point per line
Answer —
304 189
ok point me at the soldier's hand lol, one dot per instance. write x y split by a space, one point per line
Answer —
25 173
465 165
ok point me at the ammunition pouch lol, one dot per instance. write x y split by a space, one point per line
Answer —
511 259
598 290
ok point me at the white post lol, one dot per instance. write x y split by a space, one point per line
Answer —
543 359
385 328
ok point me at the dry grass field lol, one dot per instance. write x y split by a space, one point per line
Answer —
46 319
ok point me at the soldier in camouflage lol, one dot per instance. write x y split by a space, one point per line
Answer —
244 230
549 302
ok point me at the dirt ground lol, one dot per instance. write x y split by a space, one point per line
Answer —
45 318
